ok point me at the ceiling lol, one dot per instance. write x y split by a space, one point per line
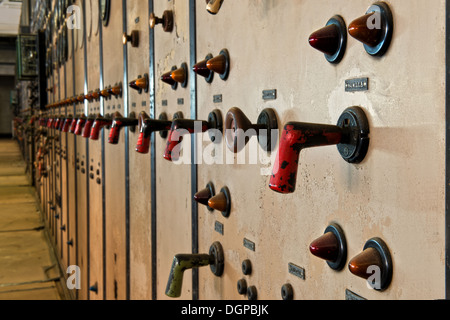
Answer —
10 11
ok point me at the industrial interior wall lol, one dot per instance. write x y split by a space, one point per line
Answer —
351 173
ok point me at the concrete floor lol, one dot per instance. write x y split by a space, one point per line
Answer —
28 268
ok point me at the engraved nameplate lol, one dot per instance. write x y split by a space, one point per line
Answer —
296 271
218 227
269 94
349 295
249 244
360 84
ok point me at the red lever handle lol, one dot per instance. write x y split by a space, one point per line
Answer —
61 123
73 125
148 126
80 125
99 123
88 127
296 137
351 135
67 124
179 128
117 124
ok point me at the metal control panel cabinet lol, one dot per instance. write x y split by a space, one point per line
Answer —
396 193
288 66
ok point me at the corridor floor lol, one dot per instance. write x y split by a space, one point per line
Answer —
28 269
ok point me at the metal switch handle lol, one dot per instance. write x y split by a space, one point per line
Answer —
118 123
183 262
147 126
182 127
351 136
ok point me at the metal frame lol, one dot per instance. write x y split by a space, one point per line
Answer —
194 169
447 151
152 113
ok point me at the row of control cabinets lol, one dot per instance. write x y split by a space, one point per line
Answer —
246 150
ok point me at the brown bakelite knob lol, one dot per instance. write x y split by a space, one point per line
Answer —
331 39
213 6
166 21
374 29
204 195
104 93
331 246
89 96
239 129
167 78
202 70
373 264
133 38
116 90
220 64
96 94
221 202
140 84
180 75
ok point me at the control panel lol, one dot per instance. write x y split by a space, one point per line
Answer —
254 150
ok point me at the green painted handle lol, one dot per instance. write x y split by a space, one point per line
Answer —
182 262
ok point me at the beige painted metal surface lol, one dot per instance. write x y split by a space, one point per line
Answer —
95 164
172 180
114 163
139 164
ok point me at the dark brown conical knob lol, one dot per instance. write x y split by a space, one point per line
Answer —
331 246
167 78
204 195
359 30
374 29
201 69
326 39
374 263
221 202
116 90
141 83
326 247
331 39
220 64
180 75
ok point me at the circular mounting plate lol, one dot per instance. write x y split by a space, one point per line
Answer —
269 120
212 192
210 78
225 75
226 192
384 20
340 23
163 117
386 271
216 251
355 142
339 264
216 122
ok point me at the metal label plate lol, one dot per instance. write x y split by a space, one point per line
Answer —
269 94
349 295
218 227
296 271
249 244
354 85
